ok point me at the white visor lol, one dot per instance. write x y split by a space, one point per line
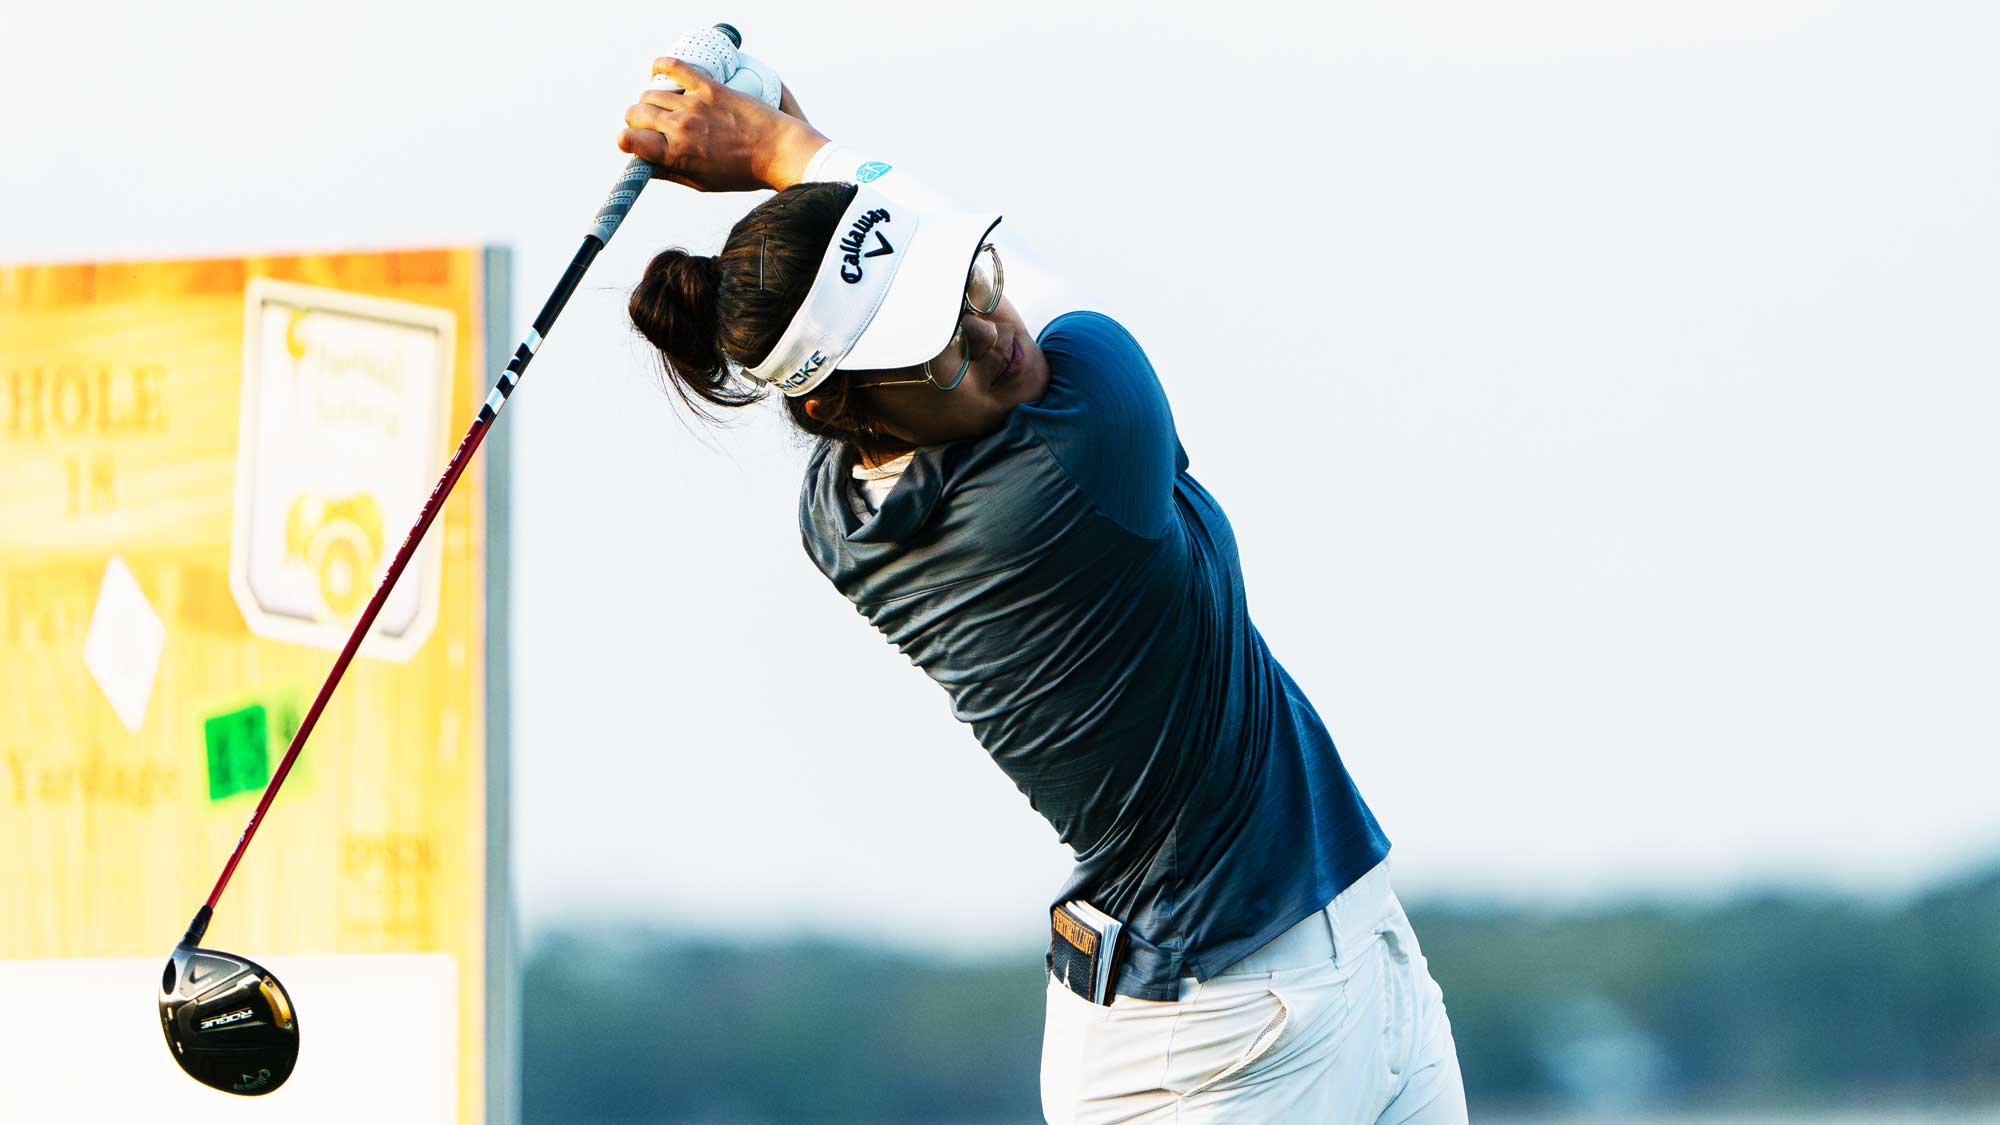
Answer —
887 294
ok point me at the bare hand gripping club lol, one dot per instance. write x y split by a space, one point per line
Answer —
228 1021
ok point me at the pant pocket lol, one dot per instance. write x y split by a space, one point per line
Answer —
1218 1038
1408 995
1104 1062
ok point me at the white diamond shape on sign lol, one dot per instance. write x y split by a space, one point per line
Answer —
122 649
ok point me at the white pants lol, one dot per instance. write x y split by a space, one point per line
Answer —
1336 1020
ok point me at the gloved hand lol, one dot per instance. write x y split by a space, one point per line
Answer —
715 119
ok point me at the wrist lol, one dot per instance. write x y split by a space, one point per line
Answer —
787 157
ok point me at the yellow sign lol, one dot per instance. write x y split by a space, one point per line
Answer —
207 465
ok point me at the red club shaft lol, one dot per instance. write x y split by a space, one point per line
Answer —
627 190
432 506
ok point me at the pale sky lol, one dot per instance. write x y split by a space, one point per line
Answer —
1602 395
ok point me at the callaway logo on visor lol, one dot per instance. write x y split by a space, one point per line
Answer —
891 270
851 248
857 237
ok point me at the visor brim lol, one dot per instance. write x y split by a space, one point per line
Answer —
920 313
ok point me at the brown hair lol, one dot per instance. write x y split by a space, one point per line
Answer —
703 313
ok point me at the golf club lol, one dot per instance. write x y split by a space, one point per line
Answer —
229 1023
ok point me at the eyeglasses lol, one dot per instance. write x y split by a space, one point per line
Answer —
983 285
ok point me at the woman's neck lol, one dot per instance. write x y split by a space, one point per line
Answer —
869 456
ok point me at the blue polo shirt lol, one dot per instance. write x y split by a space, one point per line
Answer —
1079 597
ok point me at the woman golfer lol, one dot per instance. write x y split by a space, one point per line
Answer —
1015 514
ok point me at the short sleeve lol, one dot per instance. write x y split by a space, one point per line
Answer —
1105 418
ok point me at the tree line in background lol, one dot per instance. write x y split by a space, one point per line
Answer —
1777 1001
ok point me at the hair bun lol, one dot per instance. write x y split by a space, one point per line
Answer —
677 307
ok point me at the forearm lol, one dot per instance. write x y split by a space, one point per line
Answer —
790 153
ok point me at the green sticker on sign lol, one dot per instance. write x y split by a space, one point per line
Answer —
239 751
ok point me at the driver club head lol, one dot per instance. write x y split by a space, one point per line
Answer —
228 1021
